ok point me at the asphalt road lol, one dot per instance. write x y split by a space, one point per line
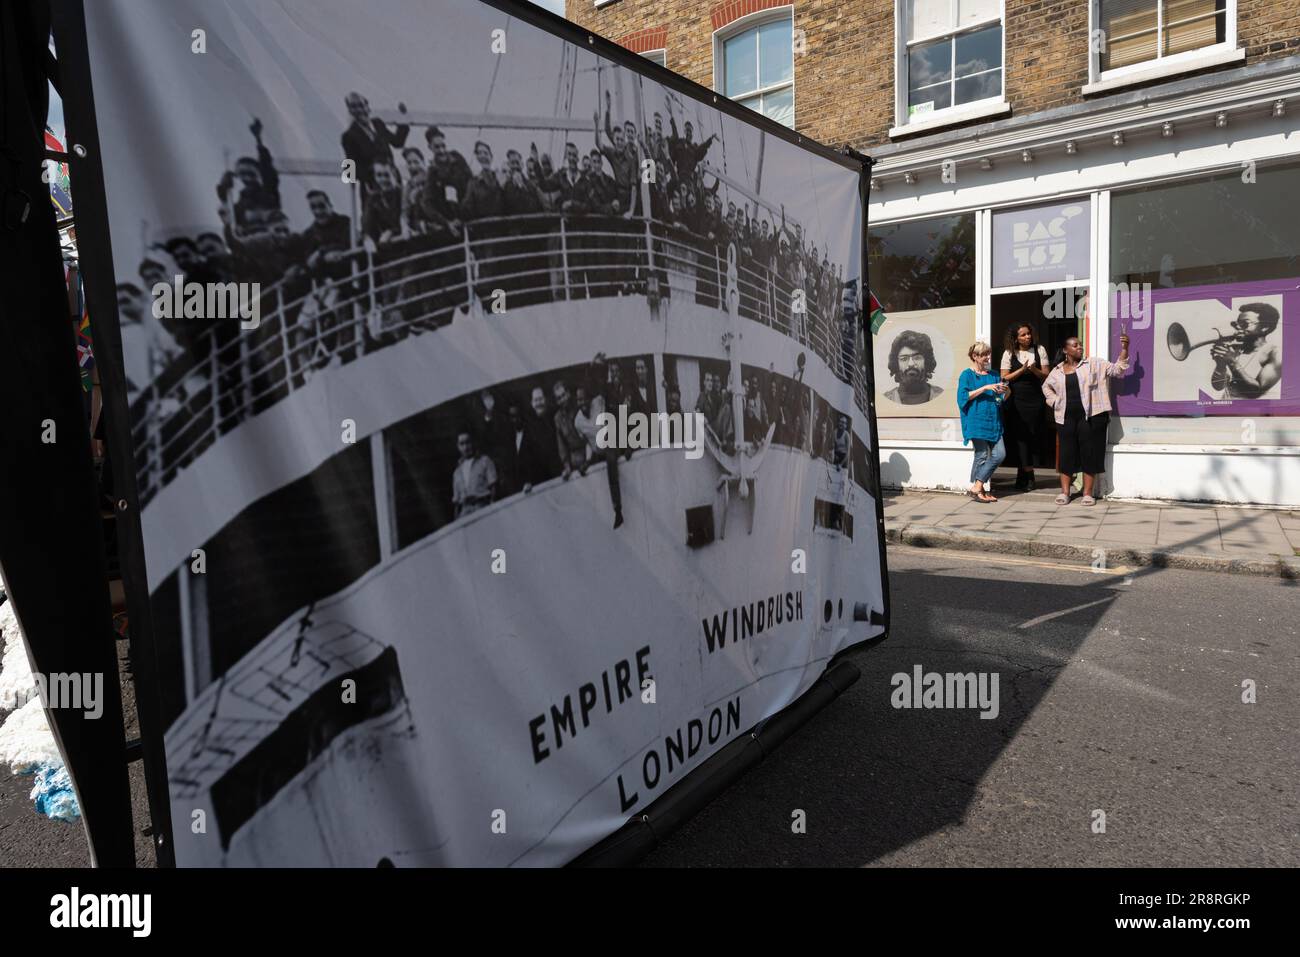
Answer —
1117 694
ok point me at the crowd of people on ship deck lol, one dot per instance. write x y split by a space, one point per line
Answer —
638 212
514 437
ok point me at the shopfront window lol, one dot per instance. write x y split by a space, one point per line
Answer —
923 274
1207 286
1237 227
924 264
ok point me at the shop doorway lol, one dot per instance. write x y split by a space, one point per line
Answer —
1055 314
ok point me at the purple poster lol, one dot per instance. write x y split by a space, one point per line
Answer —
1210 350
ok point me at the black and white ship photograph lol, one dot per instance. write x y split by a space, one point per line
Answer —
464 255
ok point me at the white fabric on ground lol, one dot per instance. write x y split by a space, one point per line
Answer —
25 737
16 684
26 740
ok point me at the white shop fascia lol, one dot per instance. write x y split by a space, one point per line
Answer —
1190 128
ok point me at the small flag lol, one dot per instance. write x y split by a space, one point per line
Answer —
85 352
875 312
60 184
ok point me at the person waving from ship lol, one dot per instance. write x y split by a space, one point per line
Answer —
591 405
569 442
259 196
368 140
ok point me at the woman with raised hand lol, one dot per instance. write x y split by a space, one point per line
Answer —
979 394
1078 390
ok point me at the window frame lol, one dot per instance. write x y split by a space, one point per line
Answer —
988 106
1161 65
753 21
659 56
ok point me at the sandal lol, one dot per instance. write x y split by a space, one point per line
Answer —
1062 499
1088 500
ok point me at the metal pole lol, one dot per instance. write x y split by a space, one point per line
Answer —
286 351
216 404
564 257
245 376
153 434
469 269
651 275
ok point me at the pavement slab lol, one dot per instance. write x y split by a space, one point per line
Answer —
1257 541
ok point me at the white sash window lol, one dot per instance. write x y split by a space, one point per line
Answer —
950 58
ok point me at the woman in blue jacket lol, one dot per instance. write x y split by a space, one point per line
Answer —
979 395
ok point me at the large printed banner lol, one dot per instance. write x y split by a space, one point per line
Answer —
1211 350
385 273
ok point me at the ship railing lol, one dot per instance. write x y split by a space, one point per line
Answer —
375 296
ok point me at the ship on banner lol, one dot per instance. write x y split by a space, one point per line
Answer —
410 607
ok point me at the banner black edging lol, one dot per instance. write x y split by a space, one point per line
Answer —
96 255
869 367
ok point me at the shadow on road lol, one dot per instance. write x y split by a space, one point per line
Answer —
873 779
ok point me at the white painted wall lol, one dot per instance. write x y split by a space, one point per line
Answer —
1248 475
1187 459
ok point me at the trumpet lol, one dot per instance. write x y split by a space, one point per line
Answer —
1180 343
1180 347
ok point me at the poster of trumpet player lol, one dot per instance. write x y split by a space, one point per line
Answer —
484 514
918 357
1212 350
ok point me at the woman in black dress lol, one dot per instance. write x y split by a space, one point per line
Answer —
1024 367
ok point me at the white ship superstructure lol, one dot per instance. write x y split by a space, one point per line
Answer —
357 671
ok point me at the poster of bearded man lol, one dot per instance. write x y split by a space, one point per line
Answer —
918 358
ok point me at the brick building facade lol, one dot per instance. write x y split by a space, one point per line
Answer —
1089 167
844 77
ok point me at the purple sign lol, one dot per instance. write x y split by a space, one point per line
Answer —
1210 350
1041 243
